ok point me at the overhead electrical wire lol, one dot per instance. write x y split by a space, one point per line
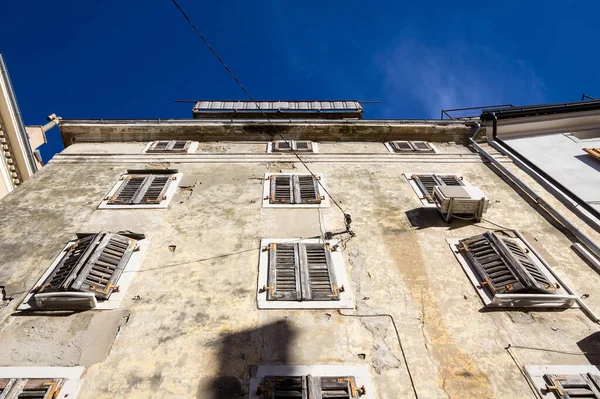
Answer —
347 218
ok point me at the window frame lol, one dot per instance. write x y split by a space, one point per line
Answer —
267 192
359 372
271 146
71 377
346 300
536 374
192 146
413 151
164 203
560 299
115 298
420 194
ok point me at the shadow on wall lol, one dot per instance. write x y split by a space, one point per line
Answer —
589 161
238 351
590 346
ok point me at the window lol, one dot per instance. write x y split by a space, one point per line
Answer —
304 274
565 382
87 273
410 146
294 190
289 145
314 381
36 388
142 189
170 147
40 382
424 183
506 271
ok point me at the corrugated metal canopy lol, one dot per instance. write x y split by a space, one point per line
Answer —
337 109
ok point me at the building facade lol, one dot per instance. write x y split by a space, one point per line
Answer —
213 258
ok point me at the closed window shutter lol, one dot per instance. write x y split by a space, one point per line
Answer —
284 273
427 182
141 189
421 146
128 190
164 146
401 146
154 189
285 387
160 145
303 145
282 189
104 268
281 145
309 387
37 388
330 387
574 385
180 146
494 260
306 190
318 278
449 180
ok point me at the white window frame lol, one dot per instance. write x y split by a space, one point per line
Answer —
315 148
116 297
267 192
171 190
535 375
417 190
346 297
360 373
388 145
71 376
563 298
191 149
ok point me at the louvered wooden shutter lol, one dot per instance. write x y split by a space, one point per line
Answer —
303 146
158 146
163 146
574 385
37 388
285 387
281 145
180 146
427 182
330 387
318 280
309 387
401 146
449 180
104 268
141 189
282 189
503 266
306 190
421 146
284 273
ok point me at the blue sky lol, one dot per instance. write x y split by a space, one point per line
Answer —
131 59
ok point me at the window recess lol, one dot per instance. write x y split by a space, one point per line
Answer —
304 274
294 190
142 189
168 147
289 145
86 273
305 387
403 146
507 272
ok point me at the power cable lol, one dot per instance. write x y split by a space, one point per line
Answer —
412 382
346 215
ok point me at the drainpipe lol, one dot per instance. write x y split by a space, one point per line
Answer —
582 237
17 114
54 121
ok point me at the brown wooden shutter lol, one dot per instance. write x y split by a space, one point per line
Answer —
159 146
128 190
306 189
284 273
33 388
282 189
574 385
401 146
318 280
285 387
309 387
154 189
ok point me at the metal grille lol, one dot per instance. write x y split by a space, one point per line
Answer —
581 386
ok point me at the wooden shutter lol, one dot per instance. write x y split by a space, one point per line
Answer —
285 387
427 182
282 189
166 146
309 387
105 266
303 146
141 189
318 278
38 388
331 387
421 146
281 145
65 272
401 146
503 266
306 190
284 273
159 146
573 386
449 180
180 146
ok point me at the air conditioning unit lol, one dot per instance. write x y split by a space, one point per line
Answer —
464 202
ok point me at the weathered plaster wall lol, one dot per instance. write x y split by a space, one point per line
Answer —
193 329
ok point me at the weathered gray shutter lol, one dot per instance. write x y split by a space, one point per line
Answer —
37 388
284 273
282 189
65 272
330 387
427 182
401 146
574 385
158 146
421 146
180 146
303 145
285 387
141 189
503 266
306 189
449 180
105 266
281 145
318 280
